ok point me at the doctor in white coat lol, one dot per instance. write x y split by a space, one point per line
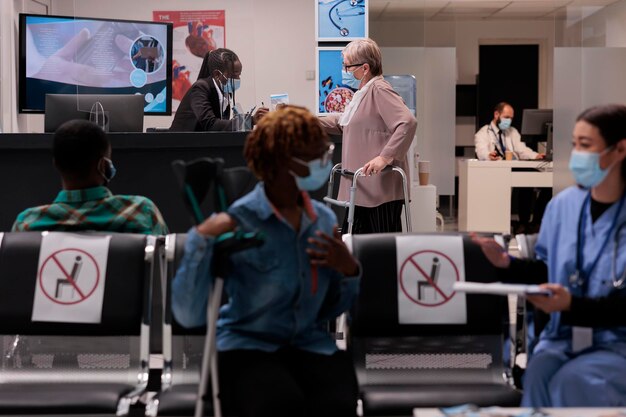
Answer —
497 137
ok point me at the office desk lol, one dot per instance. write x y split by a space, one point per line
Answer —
485 191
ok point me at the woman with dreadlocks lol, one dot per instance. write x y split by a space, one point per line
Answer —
208 103
275 356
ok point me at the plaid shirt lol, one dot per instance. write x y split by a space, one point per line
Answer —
94 209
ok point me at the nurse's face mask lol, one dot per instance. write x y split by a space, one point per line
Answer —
585 167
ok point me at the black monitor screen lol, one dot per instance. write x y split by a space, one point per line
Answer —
535 121
75 55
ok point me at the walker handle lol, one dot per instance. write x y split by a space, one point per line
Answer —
348 173
335 202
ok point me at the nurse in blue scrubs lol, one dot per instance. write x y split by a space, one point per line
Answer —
580 359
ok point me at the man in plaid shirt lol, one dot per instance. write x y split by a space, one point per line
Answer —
82 154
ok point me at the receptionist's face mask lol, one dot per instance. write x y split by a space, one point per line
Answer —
231 85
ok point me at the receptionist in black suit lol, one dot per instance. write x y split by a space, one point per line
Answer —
208 103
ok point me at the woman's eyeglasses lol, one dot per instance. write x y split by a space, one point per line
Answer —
325 158
346 67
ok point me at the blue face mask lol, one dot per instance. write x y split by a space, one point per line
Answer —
232 85
318 175
504 124
109 170
585 167
350 80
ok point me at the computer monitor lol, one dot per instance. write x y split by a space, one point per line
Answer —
123 112
84 55
535 121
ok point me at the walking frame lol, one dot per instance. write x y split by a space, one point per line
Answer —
350 203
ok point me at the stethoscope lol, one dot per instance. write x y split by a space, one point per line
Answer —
356 4
579 277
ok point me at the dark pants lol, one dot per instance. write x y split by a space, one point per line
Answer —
380 219
289 382
525 200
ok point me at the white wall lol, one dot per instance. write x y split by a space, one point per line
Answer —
9 9
433 69
587 77
274 39
467 36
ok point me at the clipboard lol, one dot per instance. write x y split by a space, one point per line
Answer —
498 288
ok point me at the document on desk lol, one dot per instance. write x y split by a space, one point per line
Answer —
498 288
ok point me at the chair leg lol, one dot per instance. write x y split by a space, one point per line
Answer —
209 359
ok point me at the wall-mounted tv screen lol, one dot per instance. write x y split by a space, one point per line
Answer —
76 55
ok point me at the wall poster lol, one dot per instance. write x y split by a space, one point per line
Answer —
196 32
332 95
341 20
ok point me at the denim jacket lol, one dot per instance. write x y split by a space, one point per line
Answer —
276 298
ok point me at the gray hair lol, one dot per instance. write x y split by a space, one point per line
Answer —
364 51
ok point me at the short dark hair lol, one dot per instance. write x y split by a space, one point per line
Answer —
610 119
500 106
220 59
78 147
278 135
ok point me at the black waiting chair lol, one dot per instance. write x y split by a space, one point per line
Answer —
71 368
182 350
207 187
197 181
403 366
530 321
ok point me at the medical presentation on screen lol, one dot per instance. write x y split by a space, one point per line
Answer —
88 56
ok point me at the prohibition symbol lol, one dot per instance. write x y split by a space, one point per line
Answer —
69 276
421 280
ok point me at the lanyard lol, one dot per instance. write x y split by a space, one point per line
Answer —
581 274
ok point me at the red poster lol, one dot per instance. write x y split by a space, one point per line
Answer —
196 32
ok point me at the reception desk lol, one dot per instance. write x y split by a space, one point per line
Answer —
485 191
143 162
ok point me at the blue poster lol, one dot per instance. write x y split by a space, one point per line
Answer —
341 20
333 96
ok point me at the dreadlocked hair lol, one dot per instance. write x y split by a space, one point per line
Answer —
279 135
220 59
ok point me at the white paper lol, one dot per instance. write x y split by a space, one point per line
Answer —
427 268
71 278
498 288
276 99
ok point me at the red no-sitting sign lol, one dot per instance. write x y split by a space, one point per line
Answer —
70 271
